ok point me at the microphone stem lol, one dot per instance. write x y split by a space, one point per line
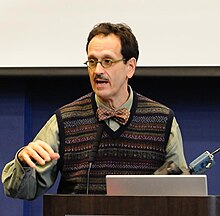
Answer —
88 177
93 153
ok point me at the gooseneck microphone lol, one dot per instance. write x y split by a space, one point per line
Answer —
94 152
96 143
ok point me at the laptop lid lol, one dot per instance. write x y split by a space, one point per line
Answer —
157 185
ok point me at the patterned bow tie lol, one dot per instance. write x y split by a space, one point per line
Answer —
120 115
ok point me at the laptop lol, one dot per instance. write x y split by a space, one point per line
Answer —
157 185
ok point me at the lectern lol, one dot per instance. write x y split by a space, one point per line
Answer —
69 205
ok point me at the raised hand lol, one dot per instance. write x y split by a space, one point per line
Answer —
37 152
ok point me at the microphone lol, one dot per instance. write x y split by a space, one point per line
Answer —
94 152
202 163
96 143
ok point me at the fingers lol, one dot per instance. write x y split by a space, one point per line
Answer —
54 156
37 152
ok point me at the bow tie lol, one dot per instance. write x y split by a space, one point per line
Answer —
121 115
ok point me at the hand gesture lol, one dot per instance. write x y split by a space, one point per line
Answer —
37 152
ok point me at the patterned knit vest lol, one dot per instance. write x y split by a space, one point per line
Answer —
135 148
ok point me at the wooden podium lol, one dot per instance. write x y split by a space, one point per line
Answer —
69 205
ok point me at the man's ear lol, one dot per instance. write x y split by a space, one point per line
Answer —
131 64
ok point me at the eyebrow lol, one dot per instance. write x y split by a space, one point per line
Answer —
104 57
92 57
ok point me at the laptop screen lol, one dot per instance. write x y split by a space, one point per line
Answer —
157 185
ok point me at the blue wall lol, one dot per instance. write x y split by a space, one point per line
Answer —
26 104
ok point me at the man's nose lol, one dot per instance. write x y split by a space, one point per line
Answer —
99 68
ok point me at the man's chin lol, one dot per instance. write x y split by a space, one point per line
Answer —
103 95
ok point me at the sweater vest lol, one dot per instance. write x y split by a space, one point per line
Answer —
136 148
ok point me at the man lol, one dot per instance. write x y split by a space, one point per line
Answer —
85 142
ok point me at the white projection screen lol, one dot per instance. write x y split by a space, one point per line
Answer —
54 32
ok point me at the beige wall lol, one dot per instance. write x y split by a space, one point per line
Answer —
54 32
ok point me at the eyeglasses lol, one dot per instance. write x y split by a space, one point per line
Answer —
106 62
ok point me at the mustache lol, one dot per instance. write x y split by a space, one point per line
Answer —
100 76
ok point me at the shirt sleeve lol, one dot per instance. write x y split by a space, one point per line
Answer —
174 149
24 182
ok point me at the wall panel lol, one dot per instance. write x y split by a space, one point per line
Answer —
27 102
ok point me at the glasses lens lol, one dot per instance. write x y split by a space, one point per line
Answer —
106 63
92 63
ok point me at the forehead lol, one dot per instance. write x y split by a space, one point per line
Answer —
110 44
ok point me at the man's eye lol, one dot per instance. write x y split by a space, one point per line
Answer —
107 61
91 61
